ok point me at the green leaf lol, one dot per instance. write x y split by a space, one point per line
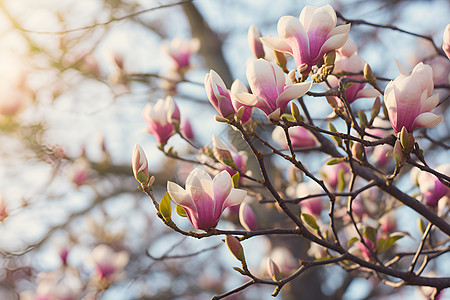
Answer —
335 161
421 225
352 240
380 244
393 237
308 219
341 180
235 179
240 270
180 211
348 85
165 208
371 234
337 139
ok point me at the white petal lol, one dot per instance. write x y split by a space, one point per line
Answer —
334 42
427 120
306 15
235 197
294 91
368 93
340 30
430 103
401 68
222 185
276 43
200 179
238 87
179 195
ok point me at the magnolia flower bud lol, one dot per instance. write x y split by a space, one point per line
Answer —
399 157
273 270
254 43
280 59
406 139
235 247
222 153
357 151
247 217
140 165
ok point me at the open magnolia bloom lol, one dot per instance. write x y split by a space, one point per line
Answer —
431 187
268 84
162 119
109 264
409 101
308 38
299 136
204 199
180 51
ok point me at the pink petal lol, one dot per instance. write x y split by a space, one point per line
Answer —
430 103
332 43
222 185
262 80
368 93
306 15
204 218
253 100
179 195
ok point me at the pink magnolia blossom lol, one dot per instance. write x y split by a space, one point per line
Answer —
353 63
180 51
299 136
204 199
223 99
254 43
409 100
332 172
162 119
379 154
187 130
431 188
109 263
446 44
268 84
310 37
140 165
312 206
365 251
61 284
388 222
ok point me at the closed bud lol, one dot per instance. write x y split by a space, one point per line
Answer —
222 153
406 139
254 43
235 247
329 58
358 151
399 157
239 113
362 119
332 101
280 59
375 109
369 77
221 119
247 217
295 112
273 270
140 165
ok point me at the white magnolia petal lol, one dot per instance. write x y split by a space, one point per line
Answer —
235 197
200 179
427 120
322 20
342 29
306 15
401 68
334 42
430 103
222 185
253 100
368 93
293 92
238 87
179 195
276 43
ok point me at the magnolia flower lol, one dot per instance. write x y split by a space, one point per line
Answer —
299 136
204 199
224 102
431 188
187 130
180 51
388 222
254 43
379 153
268 85
229 156
446 44
162 119
140 165
58 285
365 251
409 100
331 173
109 263
312 206
310 37
351 62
